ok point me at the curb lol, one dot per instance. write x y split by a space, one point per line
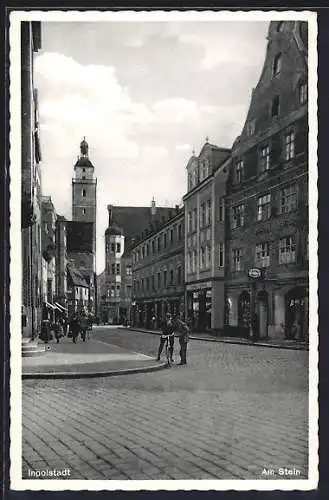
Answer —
110 373
238 342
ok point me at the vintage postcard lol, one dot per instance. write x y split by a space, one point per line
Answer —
164 328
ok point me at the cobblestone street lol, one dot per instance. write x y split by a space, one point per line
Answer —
232 412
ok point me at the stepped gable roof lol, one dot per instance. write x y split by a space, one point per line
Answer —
76 276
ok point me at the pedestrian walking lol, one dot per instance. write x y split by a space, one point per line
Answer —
75 328
58 330
168 329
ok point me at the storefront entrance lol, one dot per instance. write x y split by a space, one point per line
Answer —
244 309
296 309
262 312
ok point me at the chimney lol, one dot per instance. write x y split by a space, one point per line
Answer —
153 207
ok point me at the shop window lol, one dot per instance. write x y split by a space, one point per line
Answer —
264 207
262 254
288 199
264 163
287 250
289 145
277 64
302 93
238 216
237 259
275 107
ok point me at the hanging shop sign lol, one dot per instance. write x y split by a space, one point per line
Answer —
254 273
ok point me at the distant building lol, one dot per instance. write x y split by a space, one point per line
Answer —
61 261
82 238
158 271
78 290
124 224
267 197
204 281
31 184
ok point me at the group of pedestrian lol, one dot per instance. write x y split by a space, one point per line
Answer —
57 328
175 327
80 324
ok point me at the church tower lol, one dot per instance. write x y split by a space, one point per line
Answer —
84 194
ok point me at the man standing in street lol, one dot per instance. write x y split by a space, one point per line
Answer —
183 332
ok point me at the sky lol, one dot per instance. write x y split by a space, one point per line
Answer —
144 94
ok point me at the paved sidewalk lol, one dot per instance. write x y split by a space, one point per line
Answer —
85 359
276 343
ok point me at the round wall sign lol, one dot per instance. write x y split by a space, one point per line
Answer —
254 273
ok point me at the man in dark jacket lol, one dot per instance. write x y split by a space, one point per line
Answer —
168 329
183 333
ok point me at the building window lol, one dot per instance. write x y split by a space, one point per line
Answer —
179 275
118 247
239 171
202 257
208 212
221 255
159 280
238 216
189 222
118 290
289 145
275 106
287 250
83 177
189 262
264 207
277 64
194 260
165 279
153 247
171 277
113 268
202 214
179 232
147 248
128 271
83 170
112 247
152 282
189 181
159 244
171 236
262 254
208 256
83 211
117 269
303 93
221 209
112 290
83 192
237 259
164 240
251 128
147 284
264 158
288 199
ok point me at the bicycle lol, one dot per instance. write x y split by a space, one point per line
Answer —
167 349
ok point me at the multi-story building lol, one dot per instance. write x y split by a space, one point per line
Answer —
267 196
84 204
31 184
61 262
158 271
124 224
48 218
204 281
78 290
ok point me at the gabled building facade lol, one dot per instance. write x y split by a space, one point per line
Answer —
267 197
204 297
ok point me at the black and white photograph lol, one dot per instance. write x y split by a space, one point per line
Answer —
163 253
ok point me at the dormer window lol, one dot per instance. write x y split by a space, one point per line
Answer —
302 93
251 128
277 64
275 106
239 171
279 26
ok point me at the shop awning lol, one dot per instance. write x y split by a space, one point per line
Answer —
60 307
50 305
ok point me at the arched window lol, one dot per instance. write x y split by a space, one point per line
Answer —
277 64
